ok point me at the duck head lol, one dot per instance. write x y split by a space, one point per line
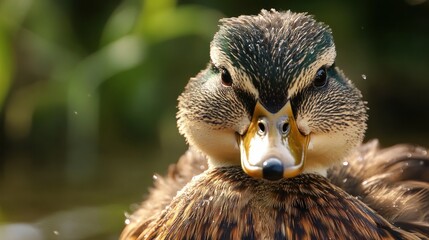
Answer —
271 99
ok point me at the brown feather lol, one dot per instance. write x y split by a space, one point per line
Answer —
392 181
225 203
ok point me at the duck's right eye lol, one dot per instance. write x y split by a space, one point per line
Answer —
321 78
226 77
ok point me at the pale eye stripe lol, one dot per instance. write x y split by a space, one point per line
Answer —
248 85
305 77
219 58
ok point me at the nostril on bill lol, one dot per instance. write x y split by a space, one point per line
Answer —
285 128
272 169
261 128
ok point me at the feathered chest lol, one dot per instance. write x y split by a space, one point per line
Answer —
225 203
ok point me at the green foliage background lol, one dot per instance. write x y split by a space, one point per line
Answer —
88 93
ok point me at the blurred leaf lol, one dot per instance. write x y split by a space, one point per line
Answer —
13 12
123 54
48 20
83 102
171 23
121 22
5 66
154 6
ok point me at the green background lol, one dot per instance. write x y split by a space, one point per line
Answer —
88 95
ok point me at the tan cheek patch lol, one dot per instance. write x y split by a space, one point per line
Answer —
303 124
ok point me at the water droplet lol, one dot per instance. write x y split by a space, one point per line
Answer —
56 232
363 76
344 180
155 177
127 221
345 163
75 112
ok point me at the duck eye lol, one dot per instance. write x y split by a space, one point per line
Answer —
321 78
226 77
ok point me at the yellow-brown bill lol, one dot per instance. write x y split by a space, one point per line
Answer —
273 148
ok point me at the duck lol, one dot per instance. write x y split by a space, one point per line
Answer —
275 132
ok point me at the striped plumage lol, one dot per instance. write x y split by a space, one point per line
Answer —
392 182
273 77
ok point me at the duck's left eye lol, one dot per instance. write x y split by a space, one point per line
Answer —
226 77
321 78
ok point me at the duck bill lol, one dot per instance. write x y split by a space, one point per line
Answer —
273 148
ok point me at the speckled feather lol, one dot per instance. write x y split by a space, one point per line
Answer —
272 48
393 181
227 204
